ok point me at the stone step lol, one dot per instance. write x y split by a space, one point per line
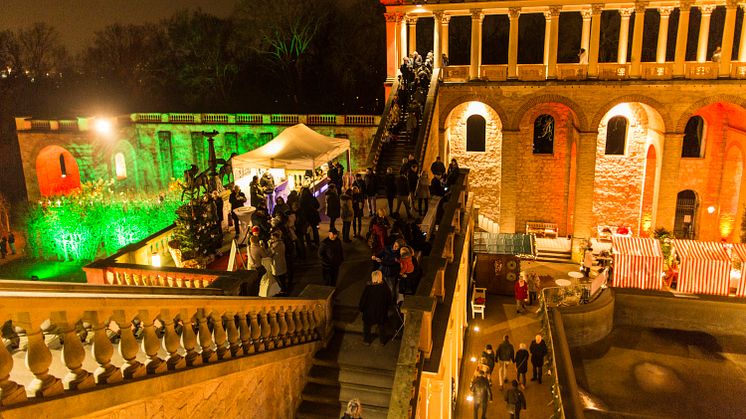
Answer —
351 377
321 393
314 410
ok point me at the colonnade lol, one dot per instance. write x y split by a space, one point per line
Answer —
402 25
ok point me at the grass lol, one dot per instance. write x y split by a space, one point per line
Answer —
51 271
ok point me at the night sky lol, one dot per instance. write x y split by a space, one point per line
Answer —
77 20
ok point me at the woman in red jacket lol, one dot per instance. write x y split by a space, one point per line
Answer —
521 294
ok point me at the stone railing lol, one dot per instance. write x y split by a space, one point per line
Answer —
390 113
427 360
606 71
142 252
155 335
425 129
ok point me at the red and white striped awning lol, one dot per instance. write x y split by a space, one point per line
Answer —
740 250
705 267
638 262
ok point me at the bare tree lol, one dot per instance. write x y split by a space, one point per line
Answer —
42 53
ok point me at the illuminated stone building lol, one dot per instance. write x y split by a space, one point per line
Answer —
144 151
641 140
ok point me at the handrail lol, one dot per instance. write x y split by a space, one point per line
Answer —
427 117
36 286
376 145
193 330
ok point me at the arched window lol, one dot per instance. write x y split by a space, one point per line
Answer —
692 145
476 132
120 166
63 168
544 134
616 135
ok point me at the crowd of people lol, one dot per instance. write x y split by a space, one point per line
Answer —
7 241
507 359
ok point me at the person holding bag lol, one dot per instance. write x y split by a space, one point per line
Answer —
516 401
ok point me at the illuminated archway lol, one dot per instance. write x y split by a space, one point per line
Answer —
56 171
627 174
485 166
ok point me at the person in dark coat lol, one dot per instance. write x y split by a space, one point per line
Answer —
436 187
390 183
331 256
257 193
516 401
538 351
505 357
371 190
374 304
438 168
488 358
358 206
309 210
482 393
333 205
521 364
402 194
237 199
217 200
413 178
452 173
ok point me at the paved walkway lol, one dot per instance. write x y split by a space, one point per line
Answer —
501 319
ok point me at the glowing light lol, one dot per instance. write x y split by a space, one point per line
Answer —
476 328
469 398
477 108
155 260
711 209
103 126
473 359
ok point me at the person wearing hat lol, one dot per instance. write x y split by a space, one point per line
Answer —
331 256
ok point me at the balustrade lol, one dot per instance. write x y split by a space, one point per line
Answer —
494 72
702 71
738 70
152 331
532 72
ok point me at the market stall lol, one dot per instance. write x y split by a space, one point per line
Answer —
289 157
638 262
704 269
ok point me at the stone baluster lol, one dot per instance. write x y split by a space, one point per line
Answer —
102 350
150 345
245 333
307 326
313 323
128 348
73 353
220 337
205 338
274 330
291 326
283 339
38 360
266 332
170 343
303 322
234 342
10 391
256 333
189 342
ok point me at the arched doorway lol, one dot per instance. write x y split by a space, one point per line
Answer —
685 222
56 171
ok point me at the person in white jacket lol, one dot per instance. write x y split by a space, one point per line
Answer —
279 264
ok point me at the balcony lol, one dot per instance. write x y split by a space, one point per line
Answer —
494 72
702 71
613 71
657 71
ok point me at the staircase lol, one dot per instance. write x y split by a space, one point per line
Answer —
547 255
393 152
347 369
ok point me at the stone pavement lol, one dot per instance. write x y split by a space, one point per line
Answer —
501 319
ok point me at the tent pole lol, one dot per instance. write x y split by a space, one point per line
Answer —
349 166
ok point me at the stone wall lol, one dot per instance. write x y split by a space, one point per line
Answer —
485 167
264 386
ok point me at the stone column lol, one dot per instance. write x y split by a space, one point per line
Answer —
444 34
584 220
412 24
509 181
392 53
660 51
585 38
681 37
623 35
513 14
704 32
742 44
729 30
669 182
547 35
554 14
595 39
634 70
476 43
437 17
404 52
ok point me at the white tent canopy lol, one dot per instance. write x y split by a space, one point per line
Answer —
296 148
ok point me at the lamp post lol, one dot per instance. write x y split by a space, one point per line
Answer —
212 159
